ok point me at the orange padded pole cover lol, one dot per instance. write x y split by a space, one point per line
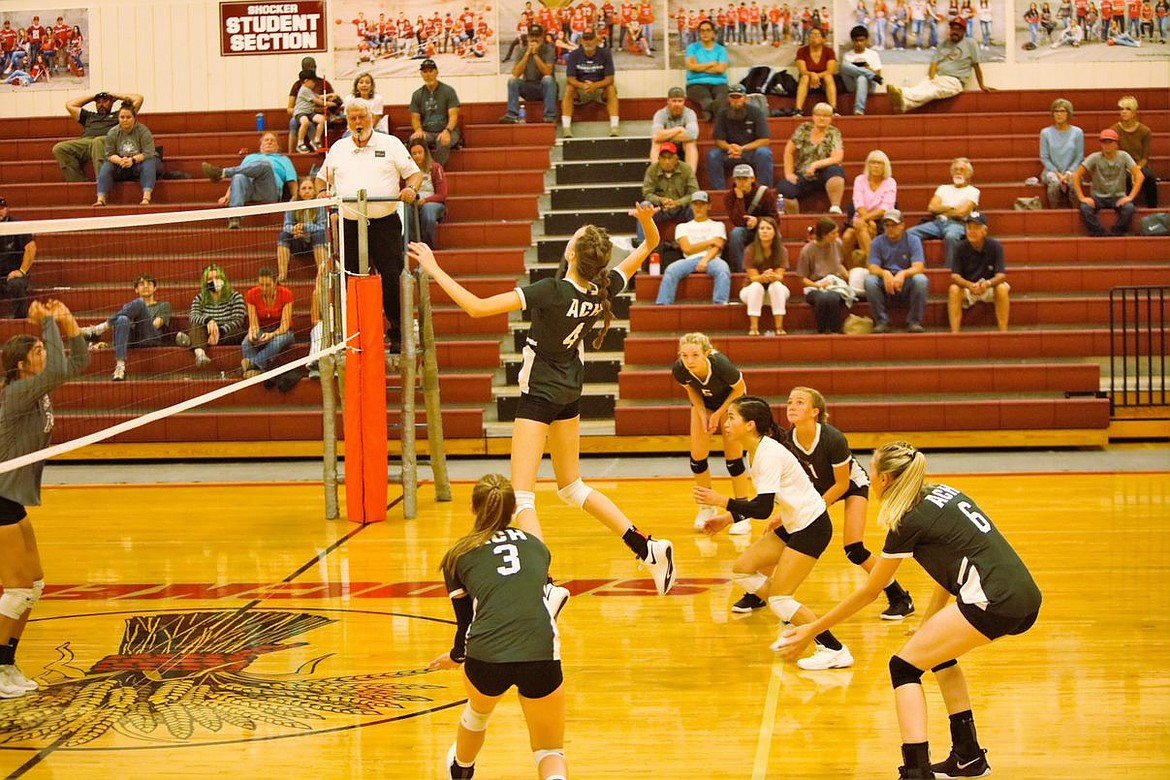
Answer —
366 459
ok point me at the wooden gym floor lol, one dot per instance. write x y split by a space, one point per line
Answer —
228 631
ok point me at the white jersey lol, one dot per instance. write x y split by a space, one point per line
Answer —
776 470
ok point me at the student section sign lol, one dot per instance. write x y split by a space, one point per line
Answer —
272 28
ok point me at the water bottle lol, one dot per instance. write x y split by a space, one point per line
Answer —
780 204
260 120
655 264
523 114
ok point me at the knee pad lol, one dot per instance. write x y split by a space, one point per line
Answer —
698 466
525 499
945 665
750 582
904 673
784 607
735 466
474 721
856 553
16 601
575 493
540 755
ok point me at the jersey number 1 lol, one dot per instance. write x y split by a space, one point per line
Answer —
511 559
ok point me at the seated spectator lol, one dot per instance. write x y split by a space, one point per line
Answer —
130 156
261 177
817 65
707 63
308 111
812 161
950 205
978 275
434 113
91 146
747 203
432 192
322 88
589 76
1062 148
532 77
766 264
897 274
305 232
218 316
18 252
668 184
874 191
741 136
140 323
1135 139
827 286
678 125
1072 35
861 68
270 332
364 88
1108 168
701 241
953 63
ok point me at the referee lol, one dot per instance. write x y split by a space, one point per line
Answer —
374 162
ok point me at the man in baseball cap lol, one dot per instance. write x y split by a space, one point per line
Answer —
532 77
18 251
701 241
1107 168
91 146
434 113
677 124
978 275
589 78
746 201
669 184
954 61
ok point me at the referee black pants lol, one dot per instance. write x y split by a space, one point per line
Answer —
386 259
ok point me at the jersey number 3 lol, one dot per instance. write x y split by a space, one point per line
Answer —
511 559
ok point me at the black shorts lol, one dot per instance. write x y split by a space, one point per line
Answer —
856 490
533 679
812 540
11 512
547 412
993 625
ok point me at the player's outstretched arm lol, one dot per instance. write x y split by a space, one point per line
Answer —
644 211
467 300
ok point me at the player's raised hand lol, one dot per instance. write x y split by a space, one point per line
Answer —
424 256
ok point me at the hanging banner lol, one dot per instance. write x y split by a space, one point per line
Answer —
271 28
44 49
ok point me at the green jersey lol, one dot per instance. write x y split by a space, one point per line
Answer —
951 537
505 580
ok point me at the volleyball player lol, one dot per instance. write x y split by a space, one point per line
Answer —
824 453
564 310
505 635
794 542
712 382
33 368
954 540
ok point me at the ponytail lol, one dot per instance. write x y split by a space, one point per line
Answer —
606 308
756 410
593 249
493 501
907 466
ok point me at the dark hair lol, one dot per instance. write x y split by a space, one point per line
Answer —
145 277
423 143
493 500
762 261
824 227
756 410
709 23
16 351
266 273
128 106
593 248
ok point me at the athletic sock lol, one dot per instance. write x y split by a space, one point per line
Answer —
895 592
566 121
826 639
7 655
637 541
964 741
613 121
916 755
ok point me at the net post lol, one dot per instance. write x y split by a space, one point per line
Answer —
435 440
327 372
408 368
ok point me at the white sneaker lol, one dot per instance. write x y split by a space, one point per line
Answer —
741 527
824 658
660 561
835 210
91 332
555 599
201 358
12 675
8 687
119 372
705 513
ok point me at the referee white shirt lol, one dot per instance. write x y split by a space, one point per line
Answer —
375 165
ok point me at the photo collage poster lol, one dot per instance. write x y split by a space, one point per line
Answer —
44 49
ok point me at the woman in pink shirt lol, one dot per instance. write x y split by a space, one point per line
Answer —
874 192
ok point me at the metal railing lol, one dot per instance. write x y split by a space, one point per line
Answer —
1137 346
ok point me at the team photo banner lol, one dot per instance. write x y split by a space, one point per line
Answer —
272 28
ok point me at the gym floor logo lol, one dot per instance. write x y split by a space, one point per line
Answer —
215 677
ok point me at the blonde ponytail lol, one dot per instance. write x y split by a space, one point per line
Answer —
907 466
493 501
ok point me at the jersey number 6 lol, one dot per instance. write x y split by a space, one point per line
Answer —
981 522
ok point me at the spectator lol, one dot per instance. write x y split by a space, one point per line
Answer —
1072 35
874 191
766 264
953 63
218 316
1062 148
37 35
434 113
91 146
532 77
432 191
1135 139
950 205
262 177
18 252
270 308
364 88
305 231
669 185
897 274
741 136
140 323
746 203
861 68
817 65
589 79
812 161
678 125
322 88
826 281
8 37
978 275
130 156
309 111
701 241
707 63
1108 168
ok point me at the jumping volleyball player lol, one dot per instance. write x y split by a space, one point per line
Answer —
564 311
954 540
33 368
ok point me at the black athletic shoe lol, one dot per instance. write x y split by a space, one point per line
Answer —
914 774
899 609
750 602
953 767
458 772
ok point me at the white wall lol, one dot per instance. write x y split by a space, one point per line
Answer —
168 51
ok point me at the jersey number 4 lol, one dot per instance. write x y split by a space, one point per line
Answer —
574 335
511 557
